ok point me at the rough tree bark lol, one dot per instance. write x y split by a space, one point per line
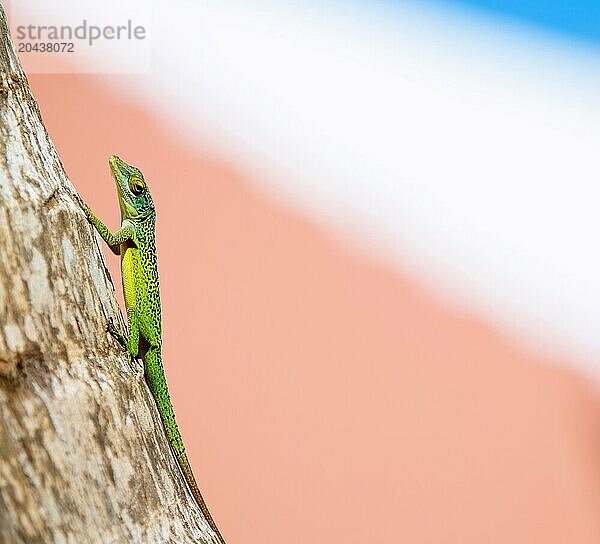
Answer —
83 456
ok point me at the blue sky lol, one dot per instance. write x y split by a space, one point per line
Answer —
579 19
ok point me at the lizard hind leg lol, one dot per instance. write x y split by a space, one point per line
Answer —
115 333
131 344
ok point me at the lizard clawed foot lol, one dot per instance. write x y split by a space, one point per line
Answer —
82 205
112 330
134 362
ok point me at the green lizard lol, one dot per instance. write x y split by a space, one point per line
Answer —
135 242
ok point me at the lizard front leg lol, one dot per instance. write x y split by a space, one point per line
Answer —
113 239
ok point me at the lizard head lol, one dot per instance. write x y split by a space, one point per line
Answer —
134 196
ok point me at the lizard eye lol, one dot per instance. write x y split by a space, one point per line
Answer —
136 185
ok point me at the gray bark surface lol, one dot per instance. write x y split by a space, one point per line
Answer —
83 455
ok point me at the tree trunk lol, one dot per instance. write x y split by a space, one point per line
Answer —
83 455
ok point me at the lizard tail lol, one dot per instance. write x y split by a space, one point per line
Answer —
155 376
191 481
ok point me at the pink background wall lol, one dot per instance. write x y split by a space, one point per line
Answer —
324 397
